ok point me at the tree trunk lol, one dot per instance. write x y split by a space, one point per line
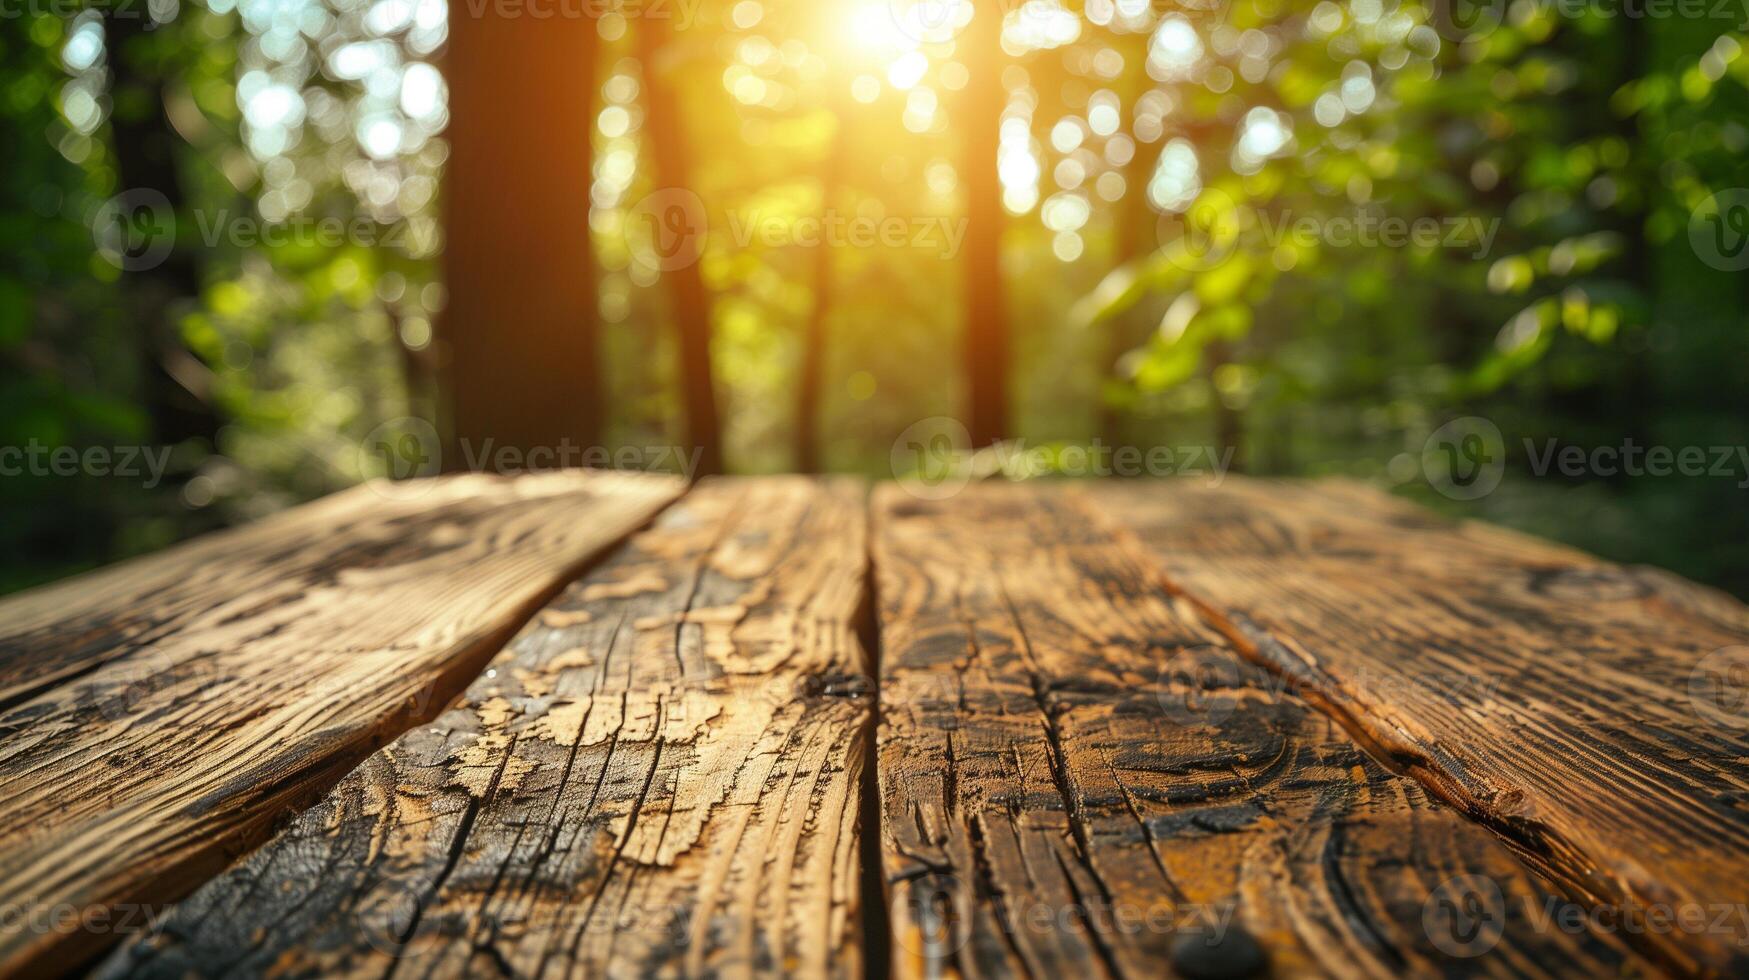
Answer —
986 349
521 325
1229 424
665 142
1135 218
807 448
145 147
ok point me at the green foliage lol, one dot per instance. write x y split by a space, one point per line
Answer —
1199 245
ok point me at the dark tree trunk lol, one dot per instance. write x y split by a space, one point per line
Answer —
986 341
807 448
175 382
665 143
1229 424
521 326
1135 238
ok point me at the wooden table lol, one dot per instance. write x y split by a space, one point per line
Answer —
592 724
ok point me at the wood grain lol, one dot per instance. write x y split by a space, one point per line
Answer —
160 714
1593 715
1078 778
659 776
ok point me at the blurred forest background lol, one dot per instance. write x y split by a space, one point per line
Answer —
1091 194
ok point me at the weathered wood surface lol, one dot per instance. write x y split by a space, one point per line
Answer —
161 714
659 776
1597 716
1080 779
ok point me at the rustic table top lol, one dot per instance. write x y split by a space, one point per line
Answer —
594 724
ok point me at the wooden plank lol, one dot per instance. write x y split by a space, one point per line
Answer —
71 628
1565 701
1078 778
659 776
162 713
